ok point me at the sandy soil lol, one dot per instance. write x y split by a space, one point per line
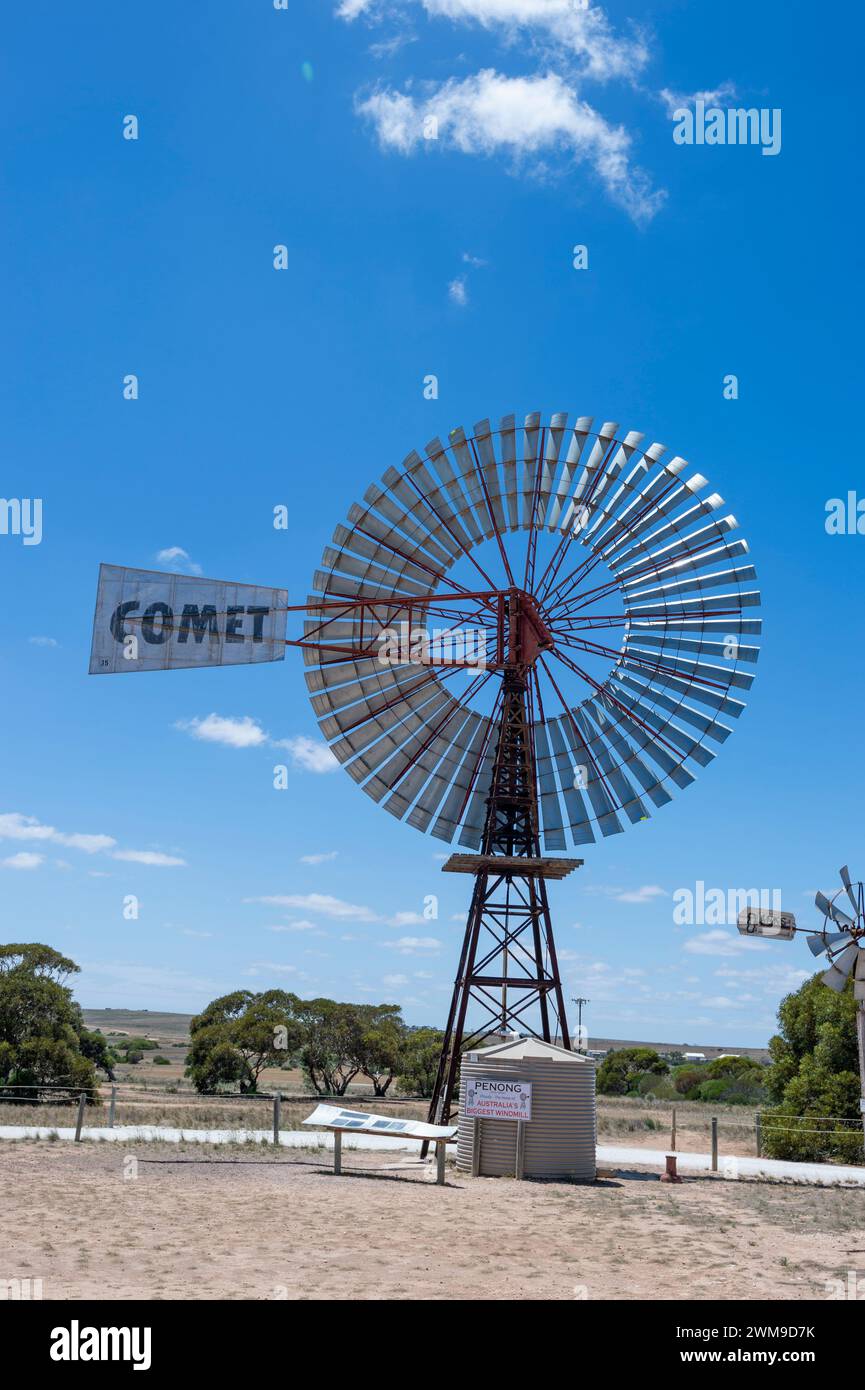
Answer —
258 1225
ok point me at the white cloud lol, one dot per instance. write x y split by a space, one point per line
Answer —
774 977
148 856
243 732
411 945
678 101
297 926
388 47
178 559
120 984
321 903
395 980
188 931
457 292
43 641
489 113
722 943
15 826
233 731
90 844
318 858
312 755
24 859
272 966
641 895
350 9
645 894
560 27
407 919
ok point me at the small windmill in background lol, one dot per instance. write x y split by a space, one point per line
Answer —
841 939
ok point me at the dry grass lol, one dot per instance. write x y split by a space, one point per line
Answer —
186 1112
621 1120
627 1120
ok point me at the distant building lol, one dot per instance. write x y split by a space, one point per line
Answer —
695 1056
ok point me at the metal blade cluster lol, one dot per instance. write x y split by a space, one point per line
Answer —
843 947
606 751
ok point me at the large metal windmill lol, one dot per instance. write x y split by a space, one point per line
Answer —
524 638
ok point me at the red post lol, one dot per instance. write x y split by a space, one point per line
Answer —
671 1175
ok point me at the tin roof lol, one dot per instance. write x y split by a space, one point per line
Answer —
518 1048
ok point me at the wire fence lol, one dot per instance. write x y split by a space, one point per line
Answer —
39 1089
184 1110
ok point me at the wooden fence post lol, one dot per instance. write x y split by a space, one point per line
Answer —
440 1161
714 1143
758 1132
82 1101
112 1107
276 1116
673 1131
337 1151
521 1149
476 1147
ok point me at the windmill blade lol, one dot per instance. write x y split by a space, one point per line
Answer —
837 974
424 746
579 436
829 909
819 943
845 879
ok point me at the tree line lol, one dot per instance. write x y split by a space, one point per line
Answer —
44 1041
808 1094
810 1090
240 1034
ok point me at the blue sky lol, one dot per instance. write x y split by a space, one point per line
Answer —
407 258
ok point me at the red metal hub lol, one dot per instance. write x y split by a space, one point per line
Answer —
528 632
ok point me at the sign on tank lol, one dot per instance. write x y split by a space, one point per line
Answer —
495 1098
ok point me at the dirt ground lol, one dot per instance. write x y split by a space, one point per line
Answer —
167 1221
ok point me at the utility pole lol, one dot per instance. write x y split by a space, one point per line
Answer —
579 1003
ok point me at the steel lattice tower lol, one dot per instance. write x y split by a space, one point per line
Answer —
508 945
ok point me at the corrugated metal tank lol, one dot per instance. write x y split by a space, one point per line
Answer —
560 1137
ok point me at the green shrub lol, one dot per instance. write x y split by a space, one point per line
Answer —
814 1078
621 1071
